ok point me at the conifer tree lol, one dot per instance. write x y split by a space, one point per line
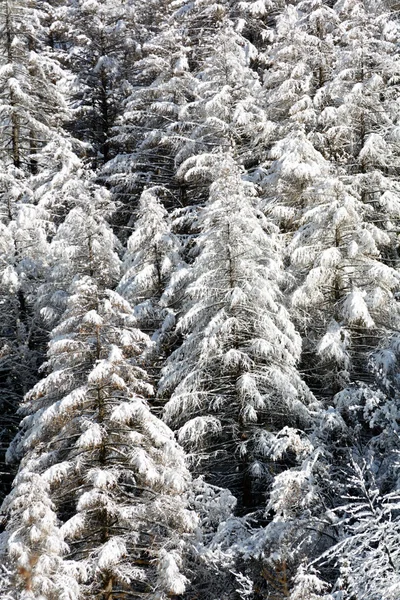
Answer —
233 380
299 63
84 243
115 471
99 41
152 257
31 104
227 114
149 132
35 543
32 108
23 266
345 278
366 554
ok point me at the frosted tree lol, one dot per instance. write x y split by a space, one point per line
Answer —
23 266
36 275
32 108
227 113
32 546
62 181
347 288
13 352
295 166
30 101
33 89
363 424
93 36
224 115
299 62
151 259
360 430
367 553
269 557
298 528
233 381
115 472
360 125
150 131
84 243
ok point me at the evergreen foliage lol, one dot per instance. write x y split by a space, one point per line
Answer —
199 300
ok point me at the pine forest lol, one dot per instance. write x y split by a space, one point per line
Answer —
199 300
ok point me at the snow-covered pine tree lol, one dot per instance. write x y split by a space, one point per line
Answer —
191 96
84 243
233 383
35 275
34 543
299 62
100 43
116 475
150 131
153 255
32 108
358 125
346 226
23 266
30 101
227 113
347 297
366 555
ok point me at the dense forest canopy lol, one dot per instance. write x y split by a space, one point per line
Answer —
199 300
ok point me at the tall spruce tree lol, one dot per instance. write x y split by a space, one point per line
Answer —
33 107
98 42
150 131
233 380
